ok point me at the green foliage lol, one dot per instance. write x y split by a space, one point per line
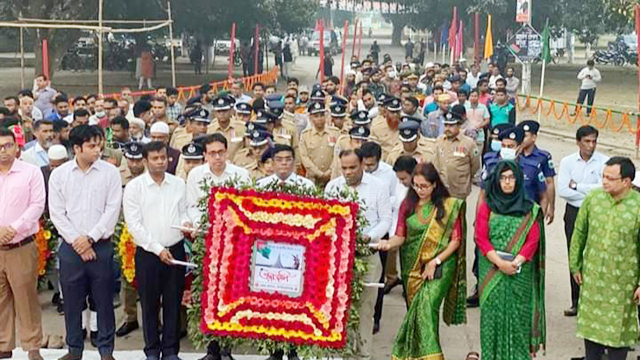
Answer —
266 347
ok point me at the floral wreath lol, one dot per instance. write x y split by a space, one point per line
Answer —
46 240
126 253
276 322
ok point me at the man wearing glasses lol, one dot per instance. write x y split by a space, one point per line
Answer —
283 157
215 171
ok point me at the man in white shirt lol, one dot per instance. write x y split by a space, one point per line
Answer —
37 154
373 194
579 173
474 76
371 154
216 171
589 76
84 203
495 75
153 203
283 158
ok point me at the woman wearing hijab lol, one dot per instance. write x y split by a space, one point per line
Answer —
508 232
430 233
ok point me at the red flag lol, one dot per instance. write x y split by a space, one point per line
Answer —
452 29
355 35
232 51
477 52
45 58
459 44
321 50
256 41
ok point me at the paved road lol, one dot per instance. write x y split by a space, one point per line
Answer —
457 341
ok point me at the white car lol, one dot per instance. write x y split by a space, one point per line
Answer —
335 47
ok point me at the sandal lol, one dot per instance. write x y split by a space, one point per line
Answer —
473 356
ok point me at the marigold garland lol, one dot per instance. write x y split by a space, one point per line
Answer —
127 254
46 240
317 322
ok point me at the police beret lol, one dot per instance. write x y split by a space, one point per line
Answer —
316 107
408 131
192 151
496 130
244 108
360 132
512 133
338 110
259 138
530 126
133 151
393 104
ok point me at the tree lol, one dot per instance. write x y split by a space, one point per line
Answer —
292 16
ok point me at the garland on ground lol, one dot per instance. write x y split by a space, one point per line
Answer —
260 337
46 240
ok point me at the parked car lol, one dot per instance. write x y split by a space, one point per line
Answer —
332 41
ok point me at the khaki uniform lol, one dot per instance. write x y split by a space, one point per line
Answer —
457 161
388 138
344 143
317 151
180 138
424 152
129 293
244 158
234 134
287 134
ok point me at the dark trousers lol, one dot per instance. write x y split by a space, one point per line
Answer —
590 94
594 351
80 279
158 284
377 315
570 214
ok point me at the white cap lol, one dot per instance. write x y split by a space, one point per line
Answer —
351 72
57 152
429 65
160 128
137 122
636 180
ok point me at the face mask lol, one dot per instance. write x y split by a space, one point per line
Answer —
391 74
100 114
496 145
507 154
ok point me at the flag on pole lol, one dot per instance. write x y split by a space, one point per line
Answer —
488 40
546 44
459 44
452 29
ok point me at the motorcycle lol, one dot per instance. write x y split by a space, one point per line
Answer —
614 54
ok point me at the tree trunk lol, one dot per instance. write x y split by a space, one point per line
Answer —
399 22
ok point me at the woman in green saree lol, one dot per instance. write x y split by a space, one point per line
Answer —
508 233
430 234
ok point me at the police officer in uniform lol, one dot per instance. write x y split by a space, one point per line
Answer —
531 152
233 131
494 143
317 144
243 112
284 131
134 168
249 158
457 158
192 156
196 122
386 129
411 143
358 135
339 119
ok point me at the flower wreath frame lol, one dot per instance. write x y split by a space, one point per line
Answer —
345 348
46 240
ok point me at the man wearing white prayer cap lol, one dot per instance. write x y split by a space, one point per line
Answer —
160 132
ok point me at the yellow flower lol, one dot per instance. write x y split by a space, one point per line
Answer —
47 234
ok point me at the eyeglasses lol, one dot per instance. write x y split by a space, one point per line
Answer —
216 154
507 178
422 187
283 159
7 146
608 178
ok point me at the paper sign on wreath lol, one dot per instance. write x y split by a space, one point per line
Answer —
278 267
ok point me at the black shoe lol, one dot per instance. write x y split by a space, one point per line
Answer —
60 308
276 355
376 327
292 355
84 334
389 287
182 334
210 357
571 312
473 301
93 337
127 328
226 355
55 300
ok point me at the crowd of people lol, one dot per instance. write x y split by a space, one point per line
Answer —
411 142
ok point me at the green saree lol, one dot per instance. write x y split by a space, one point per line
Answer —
512 316
418 337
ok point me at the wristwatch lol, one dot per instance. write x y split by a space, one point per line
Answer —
438 261
91 240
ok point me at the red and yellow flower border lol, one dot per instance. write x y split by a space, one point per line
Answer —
127 254
327 228
46 240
